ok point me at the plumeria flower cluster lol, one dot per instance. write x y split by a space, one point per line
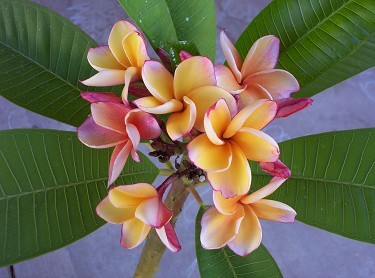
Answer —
214 120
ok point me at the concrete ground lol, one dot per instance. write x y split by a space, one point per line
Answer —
300 250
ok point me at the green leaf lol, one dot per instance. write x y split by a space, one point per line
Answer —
333 181
169 21
224 263
177 47
50 185
322 42
42 59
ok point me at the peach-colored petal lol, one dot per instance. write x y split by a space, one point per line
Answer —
191 74
208 156
119 31
153 106
132 74
251 94
236 179
181 123
95 136
118 159
256 145
277 169
158 80
262 56
274 211
289 106
131 195
106 78
264 191
226 80
249 234
225 205
110 115
204 97
135 139
94 97
145 123
256 115
219 229
112 214
101 58
169 238
278 83
216 121
135 49
153 212
234 59
133 233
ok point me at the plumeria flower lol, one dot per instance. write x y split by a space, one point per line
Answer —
113 123
255 77
229 142
138 207
121 61
235 221
187 95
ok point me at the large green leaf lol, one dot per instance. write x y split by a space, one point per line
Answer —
224 263
333 181
168 21
50 184
322 42
42 59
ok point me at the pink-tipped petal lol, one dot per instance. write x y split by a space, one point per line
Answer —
249 234
138 90
251 94
225 206
232 56
110 115
153 212
112 214
106 78
131 195
208 156
101 58
264 191
145 123
289 106
262 56
154 106
277 169
95 136
184 55
135 49
134 135
133 233
118 159
216 121
227 81
94 97
169 238
191 74
274 211
219 229
132 74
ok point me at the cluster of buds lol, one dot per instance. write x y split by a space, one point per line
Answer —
215 119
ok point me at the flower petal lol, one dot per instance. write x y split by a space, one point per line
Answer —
153 106
135 49
133 233
95 136
193 73
132 74
94 97
251 94
289 106
118 159
101 58
181 123
135 139
256 115
145 123
204 97
232 56
249 234
219 229
278 83
277 169
158 80
208 156
236 179
225 206
262 56
216 121
256 145
153 212
112 214
110 115
264 191
169 238
106 78
227 81
131 195
274 211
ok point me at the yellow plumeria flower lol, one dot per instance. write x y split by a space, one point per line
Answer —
228 142
235 221
121 61
187 94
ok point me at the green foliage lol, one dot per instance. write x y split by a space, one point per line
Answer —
50 186
168 21
322 42
42 59
333 181
224 263
177 47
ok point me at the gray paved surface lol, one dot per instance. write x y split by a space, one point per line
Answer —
300 250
